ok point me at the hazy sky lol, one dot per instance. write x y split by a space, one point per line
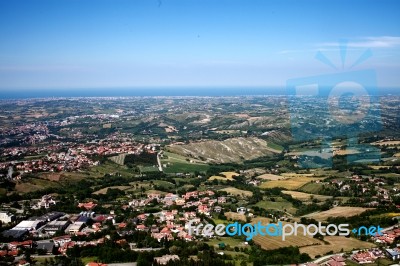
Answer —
82 44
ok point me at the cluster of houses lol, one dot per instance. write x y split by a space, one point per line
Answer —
358 256
15 248
387 237
165 225
369 187
367 256
109 147
75 158
53 162
31 150
170 223
27 133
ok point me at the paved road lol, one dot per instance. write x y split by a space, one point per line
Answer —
18 258
159 162
327 257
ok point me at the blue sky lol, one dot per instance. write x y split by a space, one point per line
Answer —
92 44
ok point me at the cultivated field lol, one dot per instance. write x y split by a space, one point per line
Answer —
104 190
346 152
270 177
181 164
297 175
254 171
336 244
377 167
119 159
311 188
306 196
237 192
235 216
219 178
229 175
278 204
389 142
146 185
274 242
291 183
34 184
389 214
233 242
224 176
337 212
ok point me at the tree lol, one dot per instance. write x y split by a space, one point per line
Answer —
28 257
142 260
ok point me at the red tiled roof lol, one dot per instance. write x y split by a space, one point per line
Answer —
122 225
334 263
96 264
338 258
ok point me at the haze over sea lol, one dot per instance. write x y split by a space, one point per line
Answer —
140 92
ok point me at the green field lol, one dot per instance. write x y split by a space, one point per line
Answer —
146 185
145 169
275 146
279 204
232 242
108 168
86 260
164 184
180 164
312 188
35 184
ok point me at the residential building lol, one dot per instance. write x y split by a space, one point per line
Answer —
165 259
6 217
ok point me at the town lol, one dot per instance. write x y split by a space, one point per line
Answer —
121 185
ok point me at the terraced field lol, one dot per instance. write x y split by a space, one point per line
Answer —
274 242
119 159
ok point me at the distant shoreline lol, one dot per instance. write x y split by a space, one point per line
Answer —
156 92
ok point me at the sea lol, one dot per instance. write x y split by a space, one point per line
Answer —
156 91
